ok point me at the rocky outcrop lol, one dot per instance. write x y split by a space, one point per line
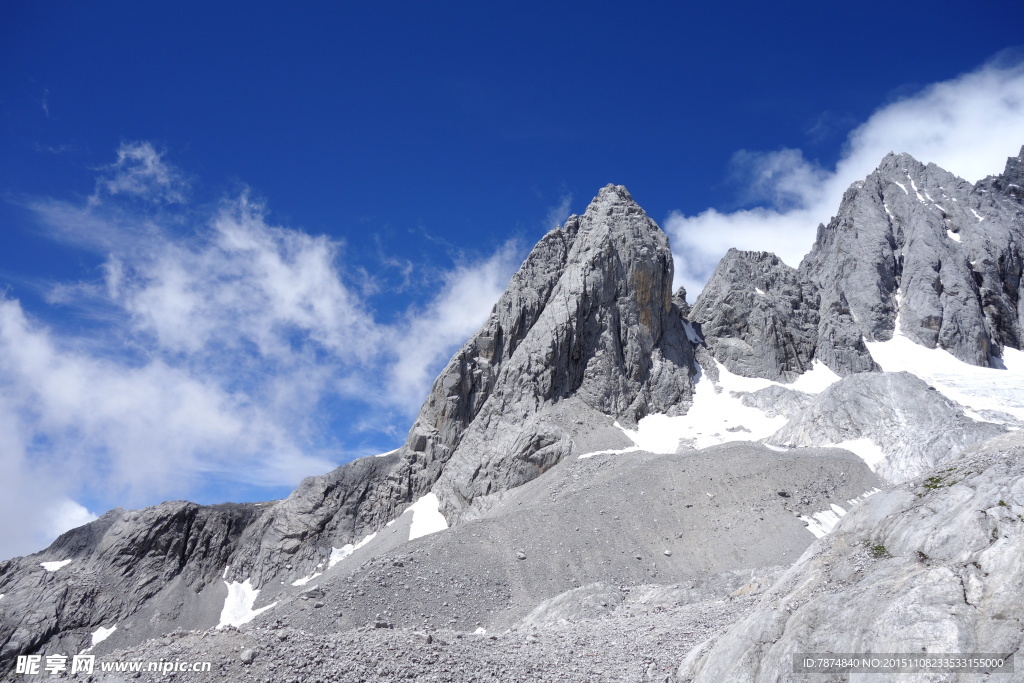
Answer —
106 570
909 423
933 566
757 317
915 240
587 332
591 317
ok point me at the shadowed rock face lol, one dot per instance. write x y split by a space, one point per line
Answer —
117 563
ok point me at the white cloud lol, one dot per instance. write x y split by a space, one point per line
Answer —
223 353
65 515
967 125
426 339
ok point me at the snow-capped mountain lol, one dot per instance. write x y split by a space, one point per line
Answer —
601 448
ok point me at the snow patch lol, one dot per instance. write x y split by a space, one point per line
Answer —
426 517
759 291
238 605
952 235
914 185
902 187
306 579
339 554
886 207
384 455
980 389
865 448
54 566
611 451
225 574
480 631
977 215
717 415
821 523
815 380
779 449
691 333
101 634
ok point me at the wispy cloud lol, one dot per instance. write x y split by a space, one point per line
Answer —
559 213
968 125
225 347
140 171
427 337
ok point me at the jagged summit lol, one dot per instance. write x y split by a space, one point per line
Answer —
912 246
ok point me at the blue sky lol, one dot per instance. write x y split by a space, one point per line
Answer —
240 239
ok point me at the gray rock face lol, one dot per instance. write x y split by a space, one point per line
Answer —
117 563
915 426
587 329
911 245
932 566
599 325
916 239
589 333
757 317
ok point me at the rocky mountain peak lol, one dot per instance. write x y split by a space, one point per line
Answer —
588 318
915 245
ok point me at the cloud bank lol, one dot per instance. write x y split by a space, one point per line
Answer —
223 346
967 125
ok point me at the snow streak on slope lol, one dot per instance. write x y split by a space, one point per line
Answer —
54 566
821 523
868 451
339 554
718 414
980 389
101 634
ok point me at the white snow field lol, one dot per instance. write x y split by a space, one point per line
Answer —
238 605
101 634
426 517
54 566
718 415
868 451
